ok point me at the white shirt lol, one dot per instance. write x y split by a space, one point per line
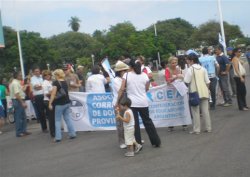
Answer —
200 79
136 89
117 82
36 81
95 83
147 68
131 123
47 87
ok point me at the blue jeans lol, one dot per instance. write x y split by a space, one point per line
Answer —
63 110
20 117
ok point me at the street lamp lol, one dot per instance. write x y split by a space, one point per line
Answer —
93 59
48 66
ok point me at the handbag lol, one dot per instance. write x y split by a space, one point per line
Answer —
194 99
242 70
61 92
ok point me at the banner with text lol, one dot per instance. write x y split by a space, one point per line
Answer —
94 111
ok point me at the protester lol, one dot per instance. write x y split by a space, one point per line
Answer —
72 79
96 82
61 105
3 94
161 74
198 80
231 71
146 70
239 77
248 56
172 73
47 89
36 82
28 89
210 63
80 74
17 95
129 127
224 66
120 69
136 87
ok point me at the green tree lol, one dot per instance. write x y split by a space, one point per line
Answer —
35 50
70 45
74 23
176 31
207 33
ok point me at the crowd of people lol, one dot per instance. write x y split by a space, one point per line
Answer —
49 92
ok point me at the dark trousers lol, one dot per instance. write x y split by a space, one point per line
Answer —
148 124
241 93
223 81
4 102
41 111
51 118
212 88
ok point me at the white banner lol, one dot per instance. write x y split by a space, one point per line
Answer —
95 111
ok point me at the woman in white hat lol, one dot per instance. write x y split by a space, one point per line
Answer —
120 69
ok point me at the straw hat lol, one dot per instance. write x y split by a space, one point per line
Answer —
120 66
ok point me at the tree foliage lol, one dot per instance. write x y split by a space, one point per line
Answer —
74 23
120 39
207 33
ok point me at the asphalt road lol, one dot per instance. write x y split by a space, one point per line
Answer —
223 153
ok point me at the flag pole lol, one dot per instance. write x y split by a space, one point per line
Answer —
19 46
222 26
158 53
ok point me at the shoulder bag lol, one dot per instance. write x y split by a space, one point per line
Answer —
61 92
194 99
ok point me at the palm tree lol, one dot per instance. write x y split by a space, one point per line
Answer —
74 23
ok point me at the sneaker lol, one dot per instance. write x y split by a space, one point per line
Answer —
57 141
27 133
1 132
170 129
245 109
194 133
142 141
227 104
72 137
123 146
185 128
138 148
208 131
129 154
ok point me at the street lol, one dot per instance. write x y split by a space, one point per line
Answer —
222 153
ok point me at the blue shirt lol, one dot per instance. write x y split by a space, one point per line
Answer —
209 62
248 55
223 61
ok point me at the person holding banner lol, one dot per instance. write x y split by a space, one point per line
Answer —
136 88
120 69
96 82
198 80
60 100
172 73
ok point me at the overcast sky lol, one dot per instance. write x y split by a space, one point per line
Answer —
50 17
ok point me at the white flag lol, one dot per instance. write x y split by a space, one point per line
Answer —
221 41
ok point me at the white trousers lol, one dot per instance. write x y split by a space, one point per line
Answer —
195 111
